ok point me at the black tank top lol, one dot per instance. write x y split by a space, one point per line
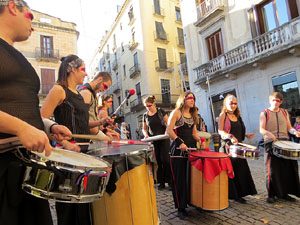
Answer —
19 87
74 114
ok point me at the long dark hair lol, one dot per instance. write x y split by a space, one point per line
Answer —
180 104
67 64
103 98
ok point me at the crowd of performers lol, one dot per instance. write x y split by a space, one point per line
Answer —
75 109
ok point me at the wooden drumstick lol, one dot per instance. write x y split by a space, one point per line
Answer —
86 136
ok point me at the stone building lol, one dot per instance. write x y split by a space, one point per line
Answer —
52 39
248 48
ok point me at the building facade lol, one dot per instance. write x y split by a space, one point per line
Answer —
247 48
144 50
52 39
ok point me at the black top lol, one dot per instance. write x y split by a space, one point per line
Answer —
19 87
74 114
237 130
155 123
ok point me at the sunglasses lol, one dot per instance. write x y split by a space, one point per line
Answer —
276 100
189 98
28 15
105 87
232 103
148 106
82 69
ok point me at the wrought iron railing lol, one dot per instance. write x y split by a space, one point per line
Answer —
135 70
47 53
208 6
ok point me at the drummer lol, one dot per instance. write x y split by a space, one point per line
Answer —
282 177
182 130
100 83
20 116
154 123
232 130
70 109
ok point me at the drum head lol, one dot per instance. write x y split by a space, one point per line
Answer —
117 148
70 159
287 145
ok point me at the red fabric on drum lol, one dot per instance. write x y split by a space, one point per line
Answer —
211 164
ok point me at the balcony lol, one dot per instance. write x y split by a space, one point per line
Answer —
282 40
135 70
160 12
162 100
164 38
164 66
47 54
180 42
208 9
133 45
115 65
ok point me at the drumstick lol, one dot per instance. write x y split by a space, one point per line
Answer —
245 145
86 136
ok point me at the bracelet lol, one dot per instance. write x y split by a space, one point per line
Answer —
178 141
292 131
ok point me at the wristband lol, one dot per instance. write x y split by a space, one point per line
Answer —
104 130
178 141
292 131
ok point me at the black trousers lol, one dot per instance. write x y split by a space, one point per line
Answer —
73 213
162 156
16 206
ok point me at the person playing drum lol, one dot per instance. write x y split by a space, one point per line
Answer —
182 130
232 131
154 123
69 109
282 177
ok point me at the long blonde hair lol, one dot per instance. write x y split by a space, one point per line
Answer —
180 104
236 112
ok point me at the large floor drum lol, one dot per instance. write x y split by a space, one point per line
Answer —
133 201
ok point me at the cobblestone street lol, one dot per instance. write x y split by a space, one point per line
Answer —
256 211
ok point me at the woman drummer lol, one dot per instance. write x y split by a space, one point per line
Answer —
105 103
154 123
232 131
69 109
182 130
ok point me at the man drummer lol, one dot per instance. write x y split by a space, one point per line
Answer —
20 116
282 176
100 83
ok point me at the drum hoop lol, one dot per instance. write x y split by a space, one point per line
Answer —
282 148
93 152
61 165
202 157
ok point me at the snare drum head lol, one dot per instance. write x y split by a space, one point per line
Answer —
73 159
286 145
117 148
204 134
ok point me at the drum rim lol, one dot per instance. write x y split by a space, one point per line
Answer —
282 148
62 165
92 153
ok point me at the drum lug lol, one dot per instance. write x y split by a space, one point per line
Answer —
66 187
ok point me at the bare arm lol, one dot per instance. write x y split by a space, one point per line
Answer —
222 132
144 130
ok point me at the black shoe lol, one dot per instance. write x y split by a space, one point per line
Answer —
241 200
185 213
270 200
289 198
161 186
181 214
169 187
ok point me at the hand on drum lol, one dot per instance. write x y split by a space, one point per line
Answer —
234 140
60 133
70 146
183 147
34 139
297 133
270 136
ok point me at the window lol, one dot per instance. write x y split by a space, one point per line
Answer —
122 47
271 14
182 57
117 79
215 45
186 86
116 58
178 15
119 100
165 90
109 67
47 46
130 13
48 80
162 58
124 71
135 59
180 36
138 92
287 85
121 26
115 41
156 7
160 32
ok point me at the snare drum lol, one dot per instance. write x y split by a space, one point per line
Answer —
286 150
64 176
209 180
133 201
244 151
